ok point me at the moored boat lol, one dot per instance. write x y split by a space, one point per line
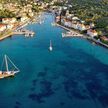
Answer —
8 72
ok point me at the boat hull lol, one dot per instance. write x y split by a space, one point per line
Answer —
50 48
6 74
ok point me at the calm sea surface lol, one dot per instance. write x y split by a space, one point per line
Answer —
73 75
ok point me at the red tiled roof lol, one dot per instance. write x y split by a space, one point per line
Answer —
104 38
1 25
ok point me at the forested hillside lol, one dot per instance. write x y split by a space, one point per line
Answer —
92 11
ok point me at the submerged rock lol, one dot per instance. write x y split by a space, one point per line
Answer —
36 97
45 91
42 74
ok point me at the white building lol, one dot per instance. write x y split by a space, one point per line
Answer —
68 23
10 26
92 33
8 20
24 18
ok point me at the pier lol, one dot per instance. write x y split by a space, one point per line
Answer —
71 34
27 33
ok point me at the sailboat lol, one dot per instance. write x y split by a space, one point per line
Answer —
8 72
50 47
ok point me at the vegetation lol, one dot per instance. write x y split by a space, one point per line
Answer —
35 8
105 42
92 11
6 13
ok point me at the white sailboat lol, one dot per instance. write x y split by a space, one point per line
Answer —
8 72
50 47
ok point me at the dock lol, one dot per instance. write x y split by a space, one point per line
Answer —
71 34
53 24
25 32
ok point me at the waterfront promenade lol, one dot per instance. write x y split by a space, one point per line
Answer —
73 32
81 35
15 30
6 34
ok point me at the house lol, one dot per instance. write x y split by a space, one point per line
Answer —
31 14
92 32
87 27
67 23
10 26
74 25
92 25
81 27
75 18
69 16
57 18
67 12
24 18
63 21
104 38
8 20
2 27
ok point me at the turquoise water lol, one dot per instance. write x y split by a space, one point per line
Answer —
73 75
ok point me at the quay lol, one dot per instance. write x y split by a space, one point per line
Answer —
81 35
27 33
97 42
16 29
62 27
71 34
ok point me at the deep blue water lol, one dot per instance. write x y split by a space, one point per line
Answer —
73 75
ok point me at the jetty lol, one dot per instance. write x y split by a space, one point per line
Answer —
71 34
53 24
97 42
62 27
26 32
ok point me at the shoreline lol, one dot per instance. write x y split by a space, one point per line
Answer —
68 29
21 25
6 36
83 36
12 32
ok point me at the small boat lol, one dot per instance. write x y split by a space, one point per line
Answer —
8 72
53 24
63 35
32 35
26 35
50 47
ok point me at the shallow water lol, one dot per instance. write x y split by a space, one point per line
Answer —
73 75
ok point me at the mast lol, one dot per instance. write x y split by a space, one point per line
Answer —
13 64
50 44
7 69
